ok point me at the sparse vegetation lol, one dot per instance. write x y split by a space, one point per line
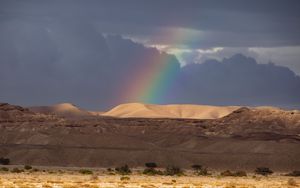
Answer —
17 170
4 161
295 173
124 170
124 178
85 171
27 167
150 169
200 170
173 170
4 169
263 171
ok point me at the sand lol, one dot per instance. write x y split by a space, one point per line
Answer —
54 179
170 111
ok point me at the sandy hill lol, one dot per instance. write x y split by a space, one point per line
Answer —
63 109
170 111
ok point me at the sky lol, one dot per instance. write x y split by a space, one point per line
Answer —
98 54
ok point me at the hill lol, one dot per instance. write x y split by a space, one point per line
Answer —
170 111
63 109
243 140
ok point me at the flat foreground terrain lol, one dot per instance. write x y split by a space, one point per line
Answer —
57 180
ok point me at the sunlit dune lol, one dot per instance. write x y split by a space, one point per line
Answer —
170 111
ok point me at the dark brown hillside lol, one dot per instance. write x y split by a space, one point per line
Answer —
244 139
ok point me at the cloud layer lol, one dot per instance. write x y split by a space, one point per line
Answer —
73 62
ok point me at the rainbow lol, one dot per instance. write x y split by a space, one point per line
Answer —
151 83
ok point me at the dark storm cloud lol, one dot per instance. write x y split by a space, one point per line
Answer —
67 61
55 51
224 23
239 80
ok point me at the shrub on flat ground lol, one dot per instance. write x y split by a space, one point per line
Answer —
173 170
4 169
16 170
123 170
85 171
226 173
124 178
152 172
295 173
27 167
263 171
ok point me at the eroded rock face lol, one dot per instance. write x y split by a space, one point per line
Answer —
245 139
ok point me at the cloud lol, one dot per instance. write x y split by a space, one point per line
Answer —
46 62
196 23
238 80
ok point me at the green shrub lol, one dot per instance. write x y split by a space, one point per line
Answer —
16 170
4 169
295 173
124 170
85 171
263 171
152 172
109 170
27 167
196 167
124 178
173 170
4 161
151 165
203 172
34 170
226 173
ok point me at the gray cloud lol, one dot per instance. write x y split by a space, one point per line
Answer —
54 51
239 80
231 23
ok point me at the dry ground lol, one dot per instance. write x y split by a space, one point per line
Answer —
69 179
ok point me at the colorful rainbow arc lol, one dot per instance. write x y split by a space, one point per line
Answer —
153 81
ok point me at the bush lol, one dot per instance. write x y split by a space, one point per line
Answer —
4 169
295 173
109 170
226 173
240 174
151 165
27 167
85 171
34 170
263 171
173 170
123 170
197 167
152 172
4 161
200 170
16 170
124 178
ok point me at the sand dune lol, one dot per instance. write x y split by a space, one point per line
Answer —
62 109
170 111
